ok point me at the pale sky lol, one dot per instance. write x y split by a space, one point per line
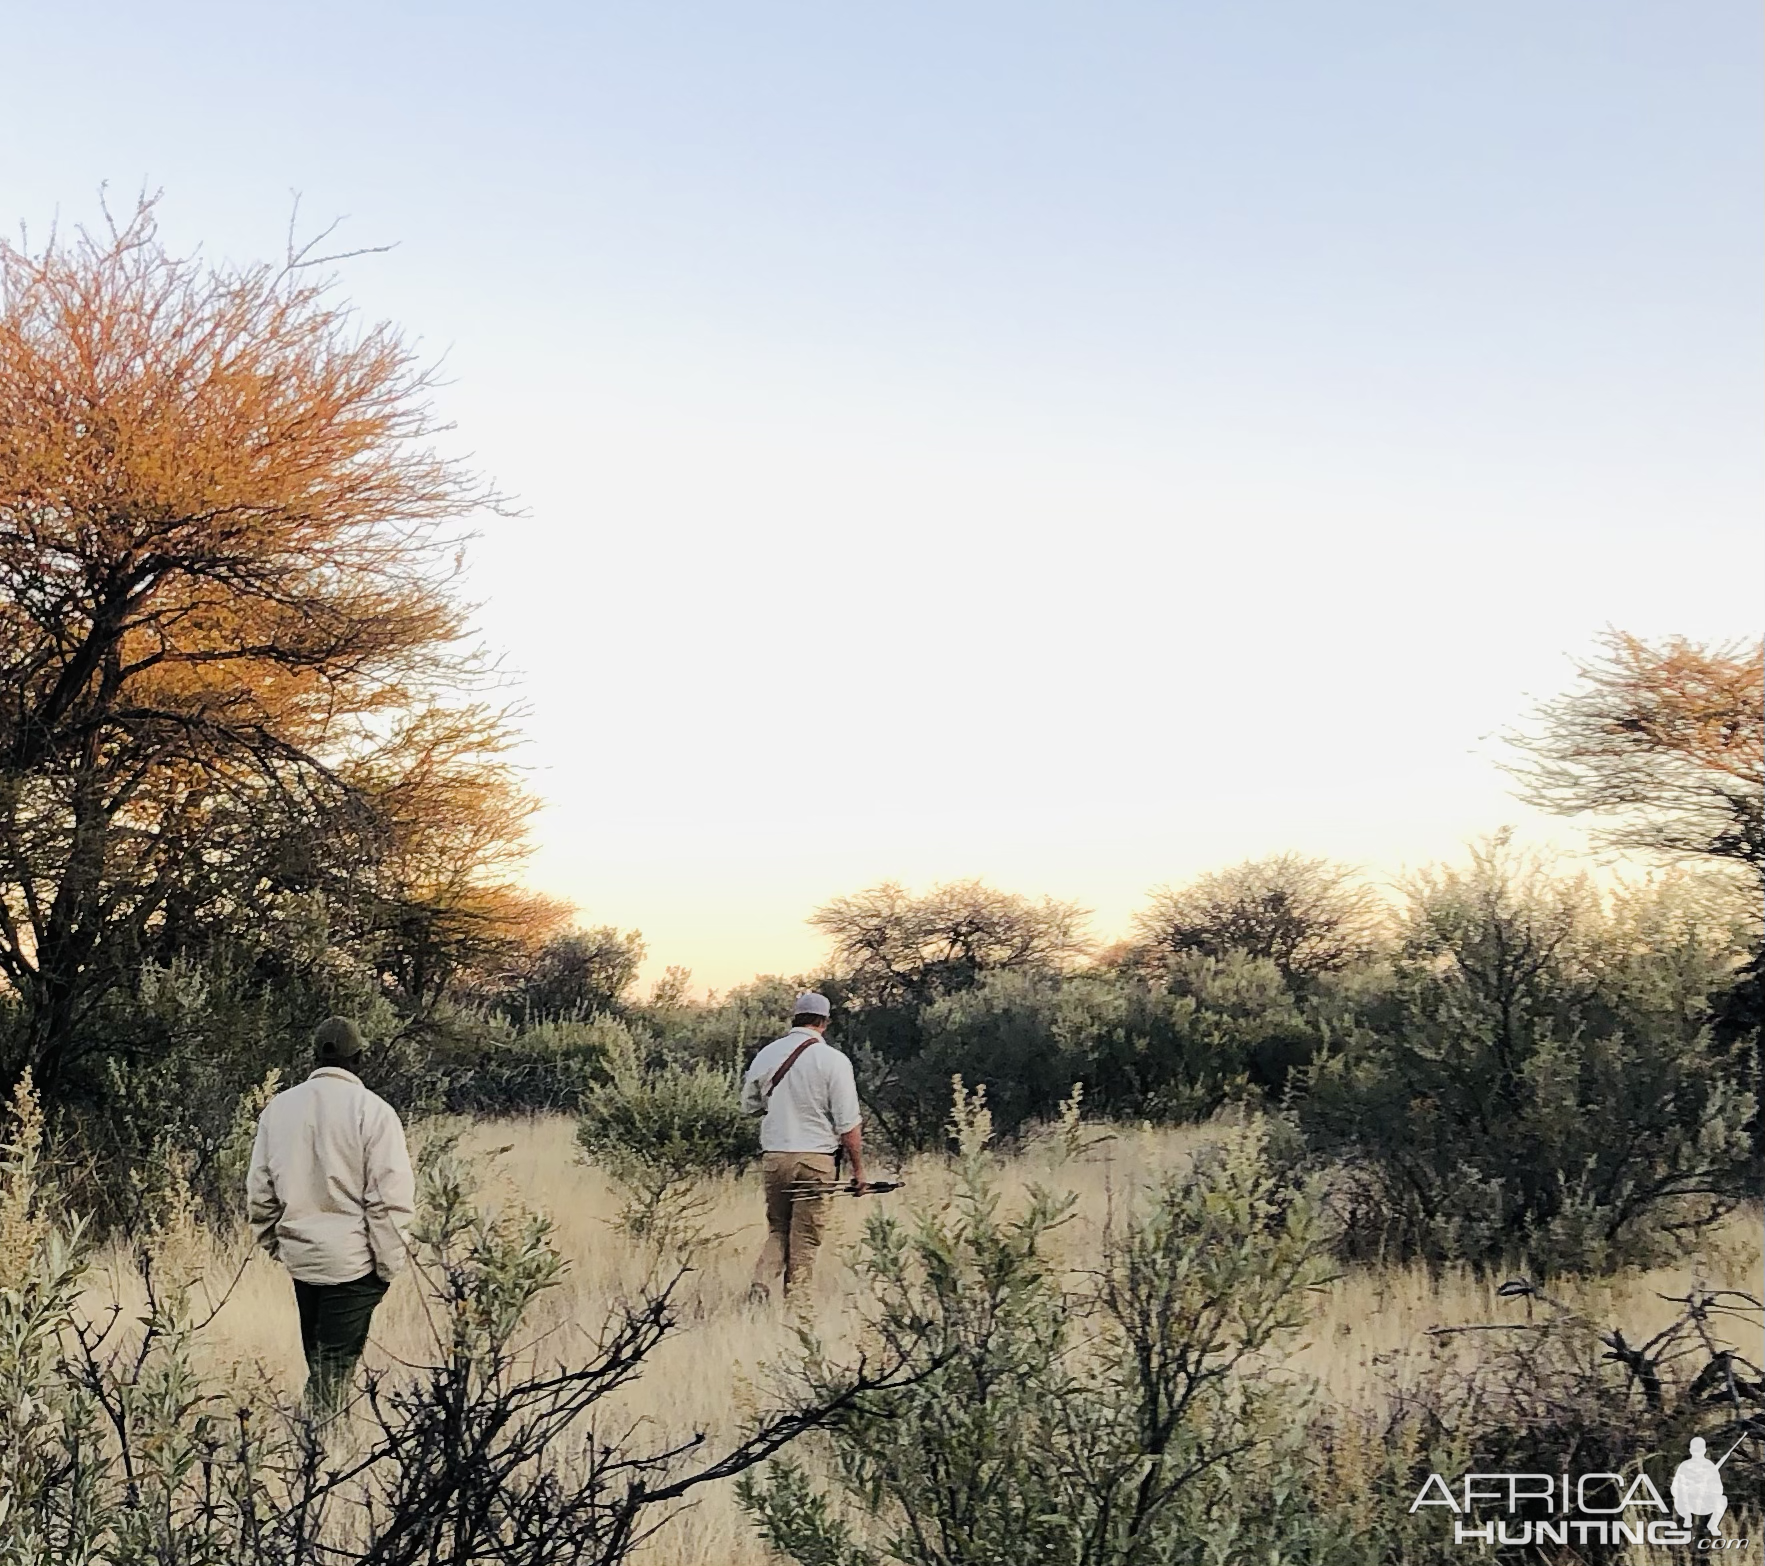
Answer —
1074 445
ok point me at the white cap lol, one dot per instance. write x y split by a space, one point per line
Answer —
811 1004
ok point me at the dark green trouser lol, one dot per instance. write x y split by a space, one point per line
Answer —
334 1321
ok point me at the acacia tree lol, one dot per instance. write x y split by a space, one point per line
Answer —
581 971
230 651
1307 916
439 899
893 948
1665 741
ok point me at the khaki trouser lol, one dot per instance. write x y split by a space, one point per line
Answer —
794 1221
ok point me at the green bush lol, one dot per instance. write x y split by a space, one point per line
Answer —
664 1121
573 975
480 1063
1542 1090
1133 1419
1013 1033
1234 1019
725 1032
1209 1031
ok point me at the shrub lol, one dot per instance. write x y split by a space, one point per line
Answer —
726 1032
687 1118
1013 1033
1132 1420
41 1271
477 1063
661 1130
1544 1089
1231 1020
574 974
1175 1050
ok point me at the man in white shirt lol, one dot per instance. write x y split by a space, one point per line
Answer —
331 1195
804 1089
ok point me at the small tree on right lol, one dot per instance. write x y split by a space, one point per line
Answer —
1665 742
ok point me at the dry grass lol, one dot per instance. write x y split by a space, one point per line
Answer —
1368 1324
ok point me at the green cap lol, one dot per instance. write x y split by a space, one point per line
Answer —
338 1039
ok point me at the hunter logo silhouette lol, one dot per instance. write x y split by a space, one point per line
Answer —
1697 1486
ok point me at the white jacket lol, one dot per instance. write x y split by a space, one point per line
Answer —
330 1193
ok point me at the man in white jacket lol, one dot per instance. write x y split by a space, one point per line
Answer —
804 1089
330 1195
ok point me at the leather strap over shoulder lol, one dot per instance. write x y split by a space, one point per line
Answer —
779 1075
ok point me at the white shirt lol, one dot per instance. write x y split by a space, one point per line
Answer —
330 1193
815 1105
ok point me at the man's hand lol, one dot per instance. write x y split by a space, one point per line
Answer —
852 1142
